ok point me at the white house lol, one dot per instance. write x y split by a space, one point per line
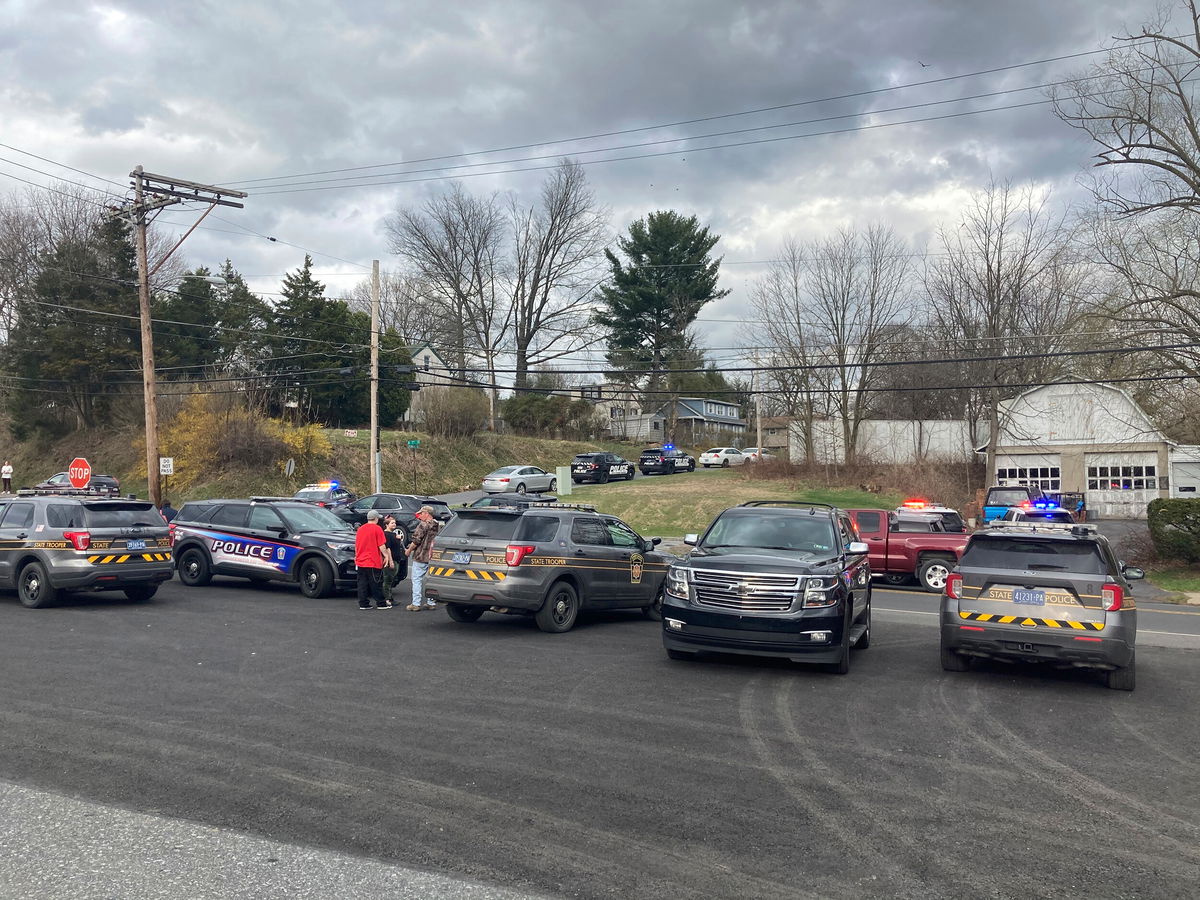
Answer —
886 441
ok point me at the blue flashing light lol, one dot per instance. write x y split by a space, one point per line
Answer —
1046 504
668 446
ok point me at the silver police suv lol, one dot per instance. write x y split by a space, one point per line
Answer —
1046 593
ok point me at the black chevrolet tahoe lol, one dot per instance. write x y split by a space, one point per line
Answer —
772 578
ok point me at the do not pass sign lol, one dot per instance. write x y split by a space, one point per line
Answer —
79 472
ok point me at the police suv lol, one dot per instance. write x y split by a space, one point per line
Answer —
264 539
54 544
600 467
665 460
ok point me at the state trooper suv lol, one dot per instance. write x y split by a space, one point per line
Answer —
1047 593
549 561
264 539
772 578
55 544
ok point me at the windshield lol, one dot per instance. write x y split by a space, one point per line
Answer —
1012 497
807 534
310 495
1027 554
311 518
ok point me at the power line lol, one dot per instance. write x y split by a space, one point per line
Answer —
64 166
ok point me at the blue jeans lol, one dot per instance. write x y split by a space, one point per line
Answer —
416 574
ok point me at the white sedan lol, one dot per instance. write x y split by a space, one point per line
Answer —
754 454
723 457
520 479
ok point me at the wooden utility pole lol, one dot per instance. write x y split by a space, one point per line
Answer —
153 192
376 462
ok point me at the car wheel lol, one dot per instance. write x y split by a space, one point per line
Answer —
577 480
933 573
33 587
724 464
460 612
194 570
865 640
953 661
553 486
1122 679
521 488
316 578
653 612
602 478
560 610
629 475
682 655
691 467
896 578
142 593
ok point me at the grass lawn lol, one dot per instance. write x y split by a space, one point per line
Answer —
1185 579
673 505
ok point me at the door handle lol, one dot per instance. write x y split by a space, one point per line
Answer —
580 553
624 556
23 535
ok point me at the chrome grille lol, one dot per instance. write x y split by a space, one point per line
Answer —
749 591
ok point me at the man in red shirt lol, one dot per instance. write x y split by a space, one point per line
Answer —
370 556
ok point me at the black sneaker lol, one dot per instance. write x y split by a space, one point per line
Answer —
360 606
385 605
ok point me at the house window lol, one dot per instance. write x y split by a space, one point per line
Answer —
426 362
655 425
1048 478
1122 478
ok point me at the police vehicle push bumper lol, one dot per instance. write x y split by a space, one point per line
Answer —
810 635
1064 643
113 569
476 585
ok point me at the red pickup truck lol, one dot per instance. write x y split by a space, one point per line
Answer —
904 546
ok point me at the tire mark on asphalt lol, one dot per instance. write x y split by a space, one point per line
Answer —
1156 746
600 856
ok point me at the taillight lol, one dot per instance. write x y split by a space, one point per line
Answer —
1112 596
502 480
320 503
171 533
954 586
80 540
514 553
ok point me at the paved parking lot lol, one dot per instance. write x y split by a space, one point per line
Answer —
589 765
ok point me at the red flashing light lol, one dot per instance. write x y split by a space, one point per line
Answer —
1113 597
971 628
954 586
915 504
1026 505
514 553
80 540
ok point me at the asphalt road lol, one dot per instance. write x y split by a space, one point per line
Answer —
234 726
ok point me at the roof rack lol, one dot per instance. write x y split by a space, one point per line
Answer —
1035 527
272 499
104 494
587 507
807 503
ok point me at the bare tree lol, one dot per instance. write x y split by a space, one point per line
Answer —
556 261
1008 274
454 244
404 304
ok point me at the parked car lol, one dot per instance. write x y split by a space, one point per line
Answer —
772 578
403 506
100 484
904 545
1049 514
330 494
1001 498
951 518
518 501
754 454
723 457
1050 594
600 467
665 461
519 479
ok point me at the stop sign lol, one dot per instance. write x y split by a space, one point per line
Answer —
79 472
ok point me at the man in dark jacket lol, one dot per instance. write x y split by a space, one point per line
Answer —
396 572
420 551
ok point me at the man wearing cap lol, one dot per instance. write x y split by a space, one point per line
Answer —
420 551
370 556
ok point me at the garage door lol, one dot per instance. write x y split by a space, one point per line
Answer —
1041 469
1119 485
1185 479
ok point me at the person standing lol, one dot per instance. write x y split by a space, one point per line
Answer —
420 551
168 512
6 476
370 556
393 574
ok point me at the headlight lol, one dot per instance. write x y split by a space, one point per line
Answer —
820 591
339 548
677 581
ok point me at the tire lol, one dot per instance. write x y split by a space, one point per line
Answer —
315 577
629 475
460 612
896 578
553 488
194 568
953 661
560 610
33 587
577 480
653 612
842 666
682 655
142 593
692 467
602 478
1122 679
933 572
724 464
521 488
865 641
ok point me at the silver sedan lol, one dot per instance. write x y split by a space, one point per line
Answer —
520 479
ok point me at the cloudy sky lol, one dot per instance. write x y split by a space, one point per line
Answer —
257 95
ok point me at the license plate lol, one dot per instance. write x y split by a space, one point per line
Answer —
135 544
1030 598
461 558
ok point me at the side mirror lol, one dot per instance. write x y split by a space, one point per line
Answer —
1133 573
691 539
858 548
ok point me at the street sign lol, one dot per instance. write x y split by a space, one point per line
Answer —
166 465
79 472
351 432
414 444
290 468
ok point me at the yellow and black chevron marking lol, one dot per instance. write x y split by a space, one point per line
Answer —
1029 621
473 574
101 559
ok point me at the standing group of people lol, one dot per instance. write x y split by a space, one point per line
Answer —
377 555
